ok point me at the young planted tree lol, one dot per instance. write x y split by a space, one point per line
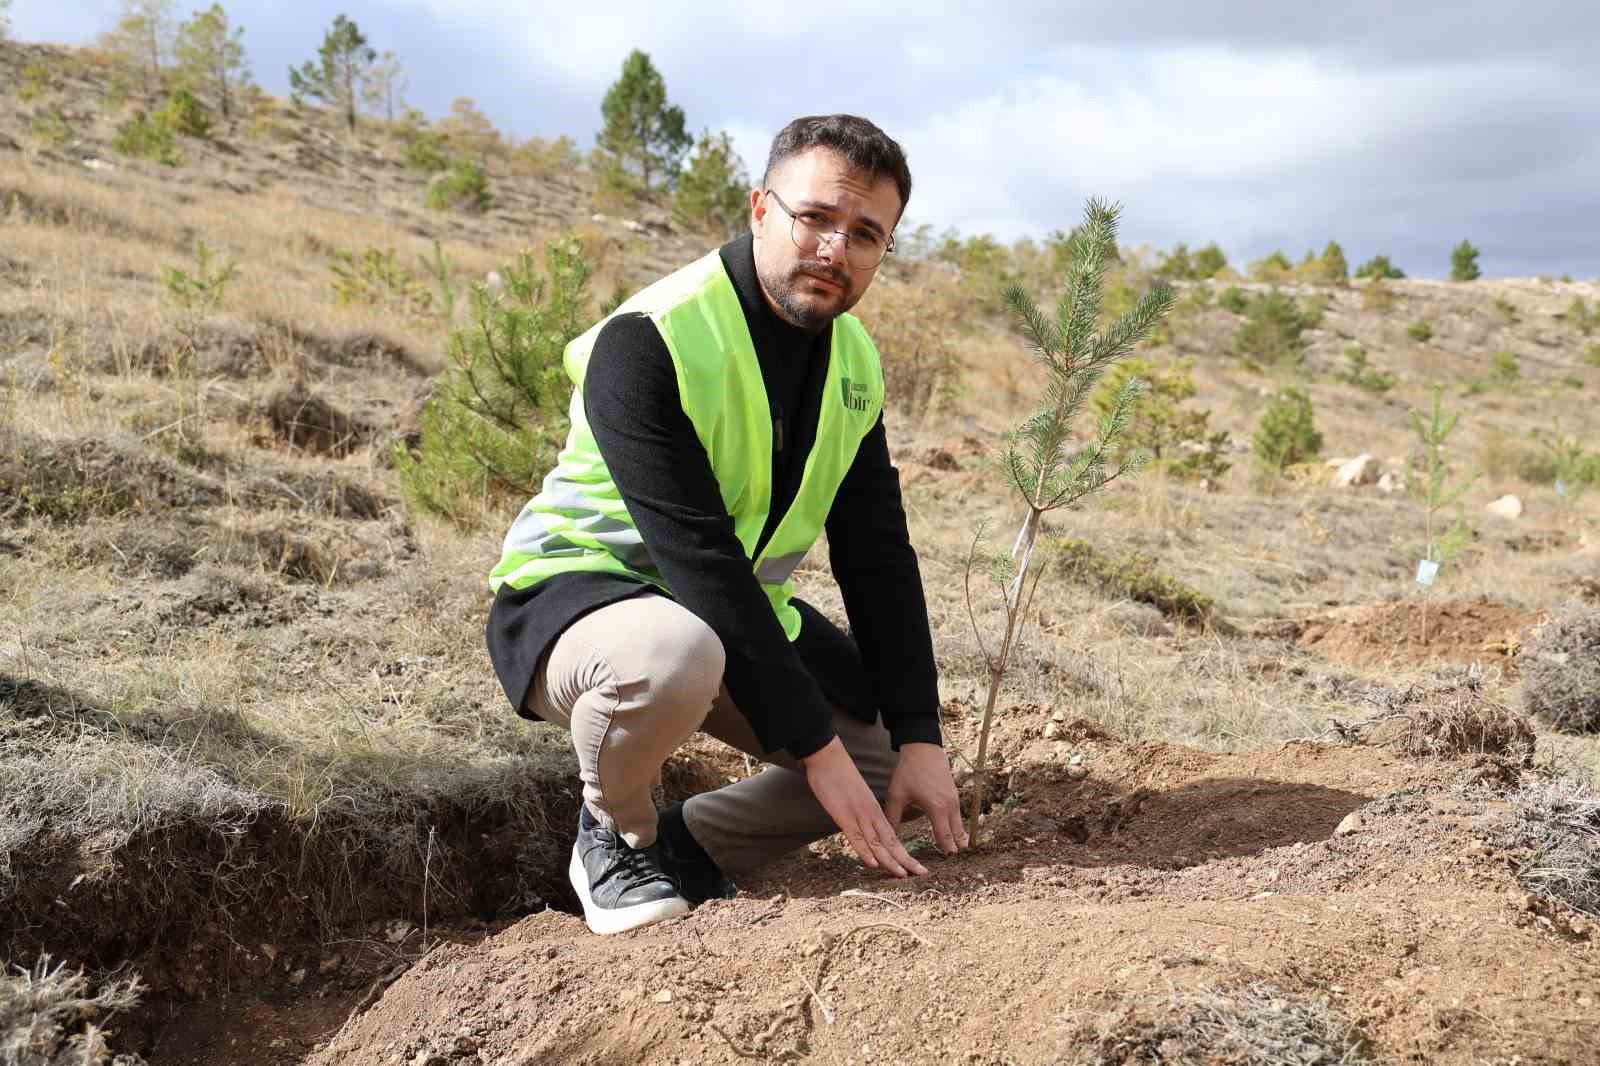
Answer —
1334 267
1378 268
210 57
714 189
385 86
1040 457
1464 262
1443 542
643 133
142 40
338 73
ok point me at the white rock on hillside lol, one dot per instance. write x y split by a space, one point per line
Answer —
1391 482
1362 470
1507 506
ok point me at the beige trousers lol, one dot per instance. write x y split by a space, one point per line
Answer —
631 682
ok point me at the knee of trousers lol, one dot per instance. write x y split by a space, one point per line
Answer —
687 666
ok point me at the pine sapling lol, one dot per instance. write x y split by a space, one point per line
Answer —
1048 468
1443 542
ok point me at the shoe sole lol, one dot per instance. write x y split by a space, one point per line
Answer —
605 921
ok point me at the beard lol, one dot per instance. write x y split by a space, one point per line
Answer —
807 309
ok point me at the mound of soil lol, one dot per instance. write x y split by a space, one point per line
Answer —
1392 634
1096 897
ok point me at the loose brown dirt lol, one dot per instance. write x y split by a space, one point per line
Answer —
1118 879
1412 634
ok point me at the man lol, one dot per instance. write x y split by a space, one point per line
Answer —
722 418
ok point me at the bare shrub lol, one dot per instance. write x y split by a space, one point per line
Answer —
1560 820
916 328
48 1016
1449 715
1561 670
1256 1025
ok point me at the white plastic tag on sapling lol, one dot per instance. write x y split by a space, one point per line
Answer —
1427 570
1561 487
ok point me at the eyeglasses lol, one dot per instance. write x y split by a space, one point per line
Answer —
864 248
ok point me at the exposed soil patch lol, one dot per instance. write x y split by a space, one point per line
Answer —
1162 876
1392 634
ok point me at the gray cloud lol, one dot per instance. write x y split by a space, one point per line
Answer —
1397 128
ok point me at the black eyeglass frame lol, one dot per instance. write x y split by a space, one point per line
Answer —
794 221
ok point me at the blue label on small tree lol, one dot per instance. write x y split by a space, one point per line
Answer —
1427 570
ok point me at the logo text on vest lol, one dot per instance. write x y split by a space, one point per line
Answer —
855 395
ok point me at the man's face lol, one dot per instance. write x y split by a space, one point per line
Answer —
811 286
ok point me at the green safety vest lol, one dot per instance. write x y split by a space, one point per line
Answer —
578 521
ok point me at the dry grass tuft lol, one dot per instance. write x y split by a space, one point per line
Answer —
1449 715
1560 819
48 1017
1561 670
1256 1025
68 481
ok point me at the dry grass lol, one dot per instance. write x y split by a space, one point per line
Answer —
50 1017
1559 820
1254 1025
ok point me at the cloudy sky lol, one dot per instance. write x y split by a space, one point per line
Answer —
1256 123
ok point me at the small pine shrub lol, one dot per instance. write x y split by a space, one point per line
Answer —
202 291
1233 299
1561 671
1420 331
376 278
1377 296
148 137
498 415
1379 268
1273 267
464 187
1579 315
1505 368
1178 438
1272 328
1464 262
185 114
1287 433
1361 373
34 83
1505 309
426 153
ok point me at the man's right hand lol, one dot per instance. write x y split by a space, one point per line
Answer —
839 787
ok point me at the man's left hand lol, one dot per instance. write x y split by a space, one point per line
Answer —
922 779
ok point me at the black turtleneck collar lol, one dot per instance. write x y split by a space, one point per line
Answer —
739 258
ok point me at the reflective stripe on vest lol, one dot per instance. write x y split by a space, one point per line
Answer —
578 520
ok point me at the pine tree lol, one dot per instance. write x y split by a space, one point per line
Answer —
1464 262
1335 267
339 71
643 133
211 56
142 39
714 190
1043 460
385 87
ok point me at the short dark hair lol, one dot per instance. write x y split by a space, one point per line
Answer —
864 146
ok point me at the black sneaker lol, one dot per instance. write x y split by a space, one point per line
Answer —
620 887
683 859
